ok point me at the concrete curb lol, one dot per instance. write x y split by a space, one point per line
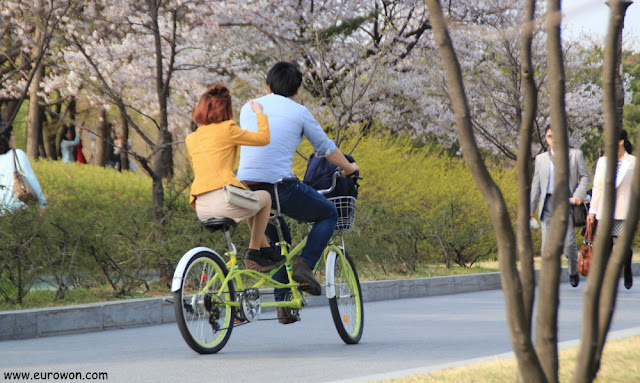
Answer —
24 324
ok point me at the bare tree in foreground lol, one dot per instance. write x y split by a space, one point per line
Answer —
540 364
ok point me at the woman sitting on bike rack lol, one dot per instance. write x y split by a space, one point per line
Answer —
213 151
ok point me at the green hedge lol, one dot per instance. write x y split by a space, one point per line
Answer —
424 200
98 228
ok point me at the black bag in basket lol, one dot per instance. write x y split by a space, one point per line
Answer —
319 173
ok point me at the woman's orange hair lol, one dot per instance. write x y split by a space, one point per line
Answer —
214 106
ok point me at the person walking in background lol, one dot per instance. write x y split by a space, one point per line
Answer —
68 144
213 151
118 148
624 175
79 155
8 199
542 192
260 167
110 149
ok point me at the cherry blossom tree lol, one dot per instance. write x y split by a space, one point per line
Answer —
366 63
362 61
374 61
486 45
540 363
28 30
347 51
150 61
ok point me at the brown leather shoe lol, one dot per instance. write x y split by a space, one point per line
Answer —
303 274
285 318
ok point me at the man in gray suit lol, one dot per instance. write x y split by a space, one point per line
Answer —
542 190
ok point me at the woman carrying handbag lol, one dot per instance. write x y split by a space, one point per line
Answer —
12 161
624 174
213 152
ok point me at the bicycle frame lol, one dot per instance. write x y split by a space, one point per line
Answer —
266 280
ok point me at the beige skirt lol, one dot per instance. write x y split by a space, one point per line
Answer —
212 205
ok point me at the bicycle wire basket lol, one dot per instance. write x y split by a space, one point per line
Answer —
346 207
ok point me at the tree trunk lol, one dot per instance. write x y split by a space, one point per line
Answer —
34 117
52 152
547 322
34 122
167 154
525 244
527 360
161 158
124 154
601 291
157 177
104 134
41 149
7 108
624 243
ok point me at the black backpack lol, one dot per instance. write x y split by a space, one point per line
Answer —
319 173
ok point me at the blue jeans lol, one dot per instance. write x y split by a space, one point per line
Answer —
303 203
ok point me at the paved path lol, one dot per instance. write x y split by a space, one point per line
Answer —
401 336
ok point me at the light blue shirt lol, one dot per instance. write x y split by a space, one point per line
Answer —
8 200
67 149
289 122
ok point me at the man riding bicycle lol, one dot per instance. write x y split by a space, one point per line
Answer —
260 167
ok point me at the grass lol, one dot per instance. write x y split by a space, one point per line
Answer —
367 272
371 271
47 298
620 363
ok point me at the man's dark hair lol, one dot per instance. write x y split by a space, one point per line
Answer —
284 78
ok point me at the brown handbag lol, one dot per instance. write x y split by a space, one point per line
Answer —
24 192
584 255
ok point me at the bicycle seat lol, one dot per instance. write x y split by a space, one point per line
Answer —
216 224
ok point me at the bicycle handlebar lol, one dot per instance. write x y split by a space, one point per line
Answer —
334 179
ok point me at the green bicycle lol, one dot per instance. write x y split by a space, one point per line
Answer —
212 296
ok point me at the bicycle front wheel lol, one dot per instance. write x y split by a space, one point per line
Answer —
346 306
204 320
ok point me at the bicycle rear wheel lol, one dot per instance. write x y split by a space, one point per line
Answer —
205 322
346 306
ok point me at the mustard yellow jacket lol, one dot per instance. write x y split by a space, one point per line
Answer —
214 148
